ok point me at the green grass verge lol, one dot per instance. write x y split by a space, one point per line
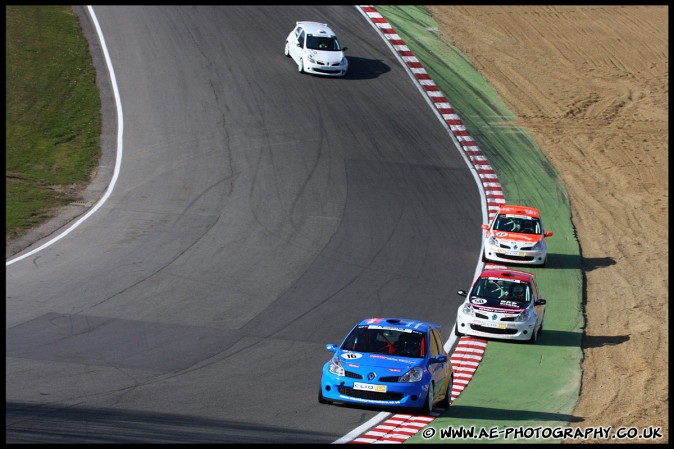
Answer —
52 120
517 384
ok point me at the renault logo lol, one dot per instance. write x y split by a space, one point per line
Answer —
494 317
371 376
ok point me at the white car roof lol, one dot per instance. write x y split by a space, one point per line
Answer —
316 28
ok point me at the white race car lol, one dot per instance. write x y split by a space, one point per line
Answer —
315 49
503 304
516 235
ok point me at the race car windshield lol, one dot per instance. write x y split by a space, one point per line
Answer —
509 223
501 289
386 341
323 43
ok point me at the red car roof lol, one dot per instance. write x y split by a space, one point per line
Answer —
519 210
519 275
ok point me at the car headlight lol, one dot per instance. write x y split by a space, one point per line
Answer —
343 61
493 241
336 367
468 309
311 58
538 246
524 316
413 375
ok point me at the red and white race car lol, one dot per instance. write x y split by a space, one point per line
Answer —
502 303
516 235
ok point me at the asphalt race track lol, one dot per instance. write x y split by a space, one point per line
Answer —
259 213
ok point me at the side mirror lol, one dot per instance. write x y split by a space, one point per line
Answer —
549 234
332 348
540 302
440 358
345 48
462 293
485 227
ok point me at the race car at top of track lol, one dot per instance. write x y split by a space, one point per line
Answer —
516 235
503 304
316 50
389 363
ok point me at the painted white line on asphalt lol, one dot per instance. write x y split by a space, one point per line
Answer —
118 161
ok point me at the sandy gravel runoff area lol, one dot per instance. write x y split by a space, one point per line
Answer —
590 83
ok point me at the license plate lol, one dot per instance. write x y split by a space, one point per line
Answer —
369 387
490 324
514 253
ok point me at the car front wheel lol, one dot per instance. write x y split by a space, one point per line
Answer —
428 403
448 395
300 66
286 51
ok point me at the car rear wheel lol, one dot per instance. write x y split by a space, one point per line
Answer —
321 399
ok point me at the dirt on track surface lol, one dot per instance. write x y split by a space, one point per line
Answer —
590 83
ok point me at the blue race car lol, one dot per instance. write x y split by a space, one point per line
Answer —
390 363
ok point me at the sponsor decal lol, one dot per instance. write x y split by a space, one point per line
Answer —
478 300
373 320
504 312
525 217
351 355
500 234
395 370
510 303
369 387
352 365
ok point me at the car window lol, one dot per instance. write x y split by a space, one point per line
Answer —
519 292
492 288
322 43
438 340
435 350
531 226
300 37
385 341
534 290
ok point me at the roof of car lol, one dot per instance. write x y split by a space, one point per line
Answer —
316 28
519 210
402 323
519 275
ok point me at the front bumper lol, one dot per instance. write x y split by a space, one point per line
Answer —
489 328
397 394
526 257
327 70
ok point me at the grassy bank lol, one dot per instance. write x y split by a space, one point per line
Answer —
52 117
